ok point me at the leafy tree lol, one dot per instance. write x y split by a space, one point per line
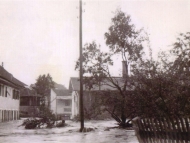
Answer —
163 85
122 39
43 85
181 69
155 88
181 52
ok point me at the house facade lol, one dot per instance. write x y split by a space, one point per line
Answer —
10 88
61 103
74 88
29 102
88 97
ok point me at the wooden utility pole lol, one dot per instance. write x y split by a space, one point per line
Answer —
81 71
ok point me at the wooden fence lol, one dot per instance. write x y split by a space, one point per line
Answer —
162 130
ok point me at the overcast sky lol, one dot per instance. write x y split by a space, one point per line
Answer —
41 36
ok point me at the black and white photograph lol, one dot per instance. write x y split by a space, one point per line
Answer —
94 71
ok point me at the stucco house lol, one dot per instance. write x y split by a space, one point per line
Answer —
61 102
9 96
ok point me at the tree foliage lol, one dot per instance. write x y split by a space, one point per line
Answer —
155 88
122 39
181 52
43 85
163 85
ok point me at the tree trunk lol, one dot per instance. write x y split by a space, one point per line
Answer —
123 117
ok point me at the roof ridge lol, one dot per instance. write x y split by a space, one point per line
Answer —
9 77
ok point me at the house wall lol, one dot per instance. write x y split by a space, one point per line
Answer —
29 111
29 106
29 101
75 104
10 100
64 106
53 102
60 104
87 102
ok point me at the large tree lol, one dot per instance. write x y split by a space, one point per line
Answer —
124 40
162 86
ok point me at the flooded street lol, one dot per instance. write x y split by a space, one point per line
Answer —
11 133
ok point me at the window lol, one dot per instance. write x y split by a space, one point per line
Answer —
13 93
16 94
2 90
67 102
67 109
24 101
6 92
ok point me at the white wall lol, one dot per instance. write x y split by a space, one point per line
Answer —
75 104
8 103
57 103
61 106
53 101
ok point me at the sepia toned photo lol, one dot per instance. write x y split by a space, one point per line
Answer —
94 71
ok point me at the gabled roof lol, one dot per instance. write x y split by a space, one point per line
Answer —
28 92
59 86
62 92
5 75
74 84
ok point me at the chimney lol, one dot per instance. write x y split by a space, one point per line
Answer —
2 64
124 69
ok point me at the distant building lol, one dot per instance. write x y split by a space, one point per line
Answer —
10 88
61 102
29 102
88 97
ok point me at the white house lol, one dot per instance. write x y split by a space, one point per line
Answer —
61 102
74 88
9 96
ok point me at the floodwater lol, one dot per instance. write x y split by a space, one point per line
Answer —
11 133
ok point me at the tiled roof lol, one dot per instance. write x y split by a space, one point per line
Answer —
9 77
106 85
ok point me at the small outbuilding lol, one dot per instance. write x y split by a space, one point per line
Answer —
29 102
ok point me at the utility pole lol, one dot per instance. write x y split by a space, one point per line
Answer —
81 71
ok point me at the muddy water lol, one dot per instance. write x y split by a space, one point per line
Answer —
11 133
